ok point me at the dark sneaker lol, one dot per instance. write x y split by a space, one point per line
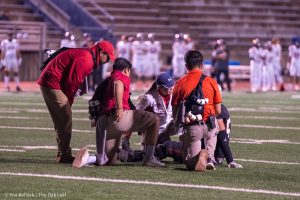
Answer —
234 165
210 165
152 162
65 157
81 158
126 144
18 89
202 161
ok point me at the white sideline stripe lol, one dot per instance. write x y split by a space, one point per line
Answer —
38 118
268 162
12 150
255 141
37 147
8 111
43 129
17 110
264 117
260 191
260 110
268 127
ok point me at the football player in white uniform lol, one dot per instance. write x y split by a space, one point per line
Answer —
68 41
268 70
294 54
179 49
256 64
10 53
154 49
276 48
139 55
123 48
189 44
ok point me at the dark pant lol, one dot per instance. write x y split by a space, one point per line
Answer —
226 75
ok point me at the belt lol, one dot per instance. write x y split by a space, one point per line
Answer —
201 123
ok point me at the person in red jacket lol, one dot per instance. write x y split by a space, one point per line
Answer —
59 83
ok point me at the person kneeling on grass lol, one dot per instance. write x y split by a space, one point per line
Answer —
116 118
173 149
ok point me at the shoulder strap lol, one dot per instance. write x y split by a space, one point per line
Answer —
94 58
197 91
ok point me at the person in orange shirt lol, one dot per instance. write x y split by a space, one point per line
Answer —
199 123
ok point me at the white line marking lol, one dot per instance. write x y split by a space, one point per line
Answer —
155 183
43 129
9 111
39 118
267 127
24 148
268 162
261 110
12 150
264 117
255 141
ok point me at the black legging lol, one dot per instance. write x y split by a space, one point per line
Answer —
218 73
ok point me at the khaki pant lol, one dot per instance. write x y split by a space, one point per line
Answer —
132 120
192 143
61 114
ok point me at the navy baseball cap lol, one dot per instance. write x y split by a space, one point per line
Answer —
164 79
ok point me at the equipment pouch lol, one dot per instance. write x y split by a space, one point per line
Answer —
212 122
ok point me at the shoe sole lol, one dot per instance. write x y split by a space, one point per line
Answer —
210 167
81 158
202 161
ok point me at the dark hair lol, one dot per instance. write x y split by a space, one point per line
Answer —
121 63
193 59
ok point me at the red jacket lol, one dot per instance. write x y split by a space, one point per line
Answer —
67 71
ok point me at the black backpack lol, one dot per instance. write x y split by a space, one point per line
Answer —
45 62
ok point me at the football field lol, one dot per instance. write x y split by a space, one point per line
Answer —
265 139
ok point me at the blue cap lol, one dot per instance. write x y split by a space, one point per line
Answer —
164 79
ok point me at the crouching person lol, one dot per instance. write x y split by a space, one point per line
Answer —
201 98
116 118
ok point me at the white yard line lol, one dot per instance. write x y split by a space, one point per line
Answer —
256 141
267 161
256 110
265 117
153 183
266 127
39 118
43 129
12 150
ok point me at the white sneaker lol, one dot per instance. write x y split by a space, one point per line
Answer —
152 162
234 165
81 158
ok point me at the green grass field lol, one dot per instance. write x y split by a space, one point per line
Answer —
265 139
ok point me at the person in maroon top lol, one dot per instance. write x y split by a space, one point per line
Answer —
116 118
59 83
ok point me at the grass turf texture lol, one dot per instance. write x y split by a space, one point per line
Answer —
266 176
